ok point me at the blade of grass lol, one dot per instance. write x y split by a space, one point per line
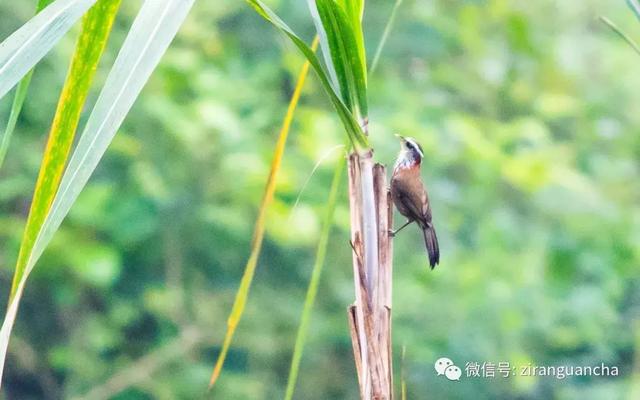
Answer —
354 131
258 232
18 100
623 35
316 273
153 29
21 51
96 27
385 36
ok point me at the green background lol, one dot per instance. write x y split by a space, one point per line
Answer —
528 116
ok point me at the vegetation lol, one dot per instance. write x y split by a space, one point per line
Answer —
527 116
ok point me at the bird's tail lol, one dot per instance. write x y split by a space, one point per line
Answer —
431 241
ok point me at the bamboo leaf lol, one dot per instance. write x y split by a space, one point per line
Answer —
96 27
95 31
343 45
316 273
355 12
354 132
26 46
258 232
152 31
324 45
18 100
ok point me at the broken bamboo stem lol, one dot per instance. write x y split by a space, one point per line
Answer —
370 315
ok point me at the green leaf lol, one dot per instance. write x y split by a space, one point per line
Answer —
153 29
316 273
324 44
355 12
21 51
18 100
346 55
355 133
258 231
96 27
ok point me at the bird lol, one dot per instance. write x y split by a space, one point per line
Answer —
410 196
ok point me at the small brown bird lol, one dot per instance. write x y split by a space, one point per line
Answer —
410 197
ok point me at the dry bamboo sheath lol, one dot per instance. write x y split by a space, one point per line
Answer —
370 315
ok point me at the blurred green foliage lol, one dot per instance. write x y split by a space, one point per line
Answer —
527 113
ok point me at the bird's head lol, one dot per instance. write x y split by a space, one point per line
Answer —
410 152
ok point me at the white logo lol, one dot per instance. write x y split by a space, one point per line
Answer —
445 366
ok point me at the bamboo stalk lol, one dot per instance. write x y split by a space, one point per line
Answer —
370 315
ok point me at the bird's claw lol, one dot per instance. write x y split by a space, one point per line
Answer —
392 233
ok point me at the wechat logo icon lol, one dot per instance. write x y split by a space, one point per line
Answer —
444 366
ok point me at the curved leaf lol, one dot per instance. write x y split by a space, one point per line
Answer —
96 27
26 46
258 232
354 132
18 100
152 31
344 40
312 290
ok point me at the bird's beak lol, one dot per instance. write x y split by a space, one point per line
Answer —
400 137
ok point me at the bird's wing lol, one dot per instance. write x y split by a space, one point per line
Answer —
414 203
426 205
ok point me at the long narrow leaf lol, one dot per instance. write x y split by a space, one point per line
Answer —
357 14
26 46
354 131
316 273
153 29
324 45
258 232
346 56
18 100
96 27
355 11
95 30
385 36
622 35
337 51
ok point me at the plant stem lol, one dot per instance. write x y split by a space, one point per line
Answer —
369 317
315 280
